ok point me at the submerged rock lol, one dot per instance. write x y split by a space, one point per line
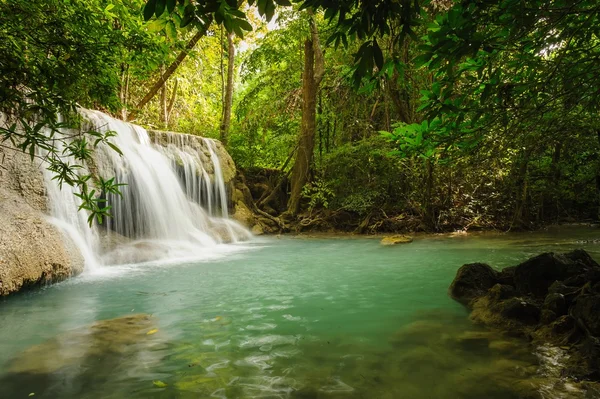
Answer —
394 240
102 338
95 358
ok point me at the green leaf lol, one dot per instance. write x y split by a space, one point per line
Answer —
188 16
160 8
149 9
238 30
171 6
171 30
245 25
269 10
378 55
115 148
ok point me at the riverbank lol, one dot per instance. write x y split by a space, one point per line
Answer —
266 192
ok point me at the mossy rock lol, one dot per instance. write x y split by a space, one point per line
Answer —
395 240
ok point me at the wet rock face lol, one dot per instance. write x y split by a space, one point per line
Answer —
551 298
32 250
587 311
535 275
556 303
472 281
521 311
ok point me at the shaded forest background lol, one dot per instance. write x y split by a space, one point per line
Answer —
357 116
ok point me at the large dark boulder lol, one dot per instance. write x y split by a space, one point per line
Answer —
556 303
520 310
586 310
500 292
551 299
563 325
472 281
507 276
535 275
582 260
584 277
558 287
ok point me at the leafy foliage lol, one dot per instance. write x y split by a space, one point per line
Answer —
318 194
54 56
445 114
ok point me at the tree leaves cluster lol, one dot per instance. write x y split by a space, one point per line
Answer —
54 57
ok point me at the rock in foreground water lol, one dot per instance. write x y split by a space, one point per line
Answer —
550 299
394 240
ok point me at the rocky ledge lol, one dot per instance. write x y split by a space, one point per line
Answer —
549 299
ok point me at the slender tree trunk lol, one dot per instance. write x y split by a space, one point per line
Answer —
172 100
222 70
554 180
598 178
228 101
388 123
320 113
521 186
163 101
327 136
429 215
170 70
124 92
314 69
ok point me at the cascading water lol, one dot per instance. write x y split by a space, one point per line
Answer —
158 216
220 184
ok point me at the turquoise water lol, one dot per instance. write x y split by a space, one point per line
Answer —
276 318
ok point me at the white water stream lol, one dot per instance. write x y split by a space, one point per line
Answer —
170 209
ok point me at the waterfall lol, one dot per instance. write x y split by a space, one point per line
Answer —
170 208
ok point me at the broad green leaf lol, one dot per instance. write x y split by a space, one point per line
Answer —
149 9
171 30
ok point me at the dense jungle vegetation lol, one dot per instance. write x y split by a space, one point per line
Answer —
357 115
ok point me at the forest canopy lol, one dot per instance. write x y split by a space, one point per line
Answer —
357 115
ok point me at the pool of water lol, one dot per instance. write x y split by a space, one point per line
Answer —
282 317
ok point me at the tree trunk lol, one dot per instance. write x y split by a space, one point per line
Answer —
169 71
553 199
429 214
228 101
521 190
172 101
124 94
163 101
314 70
598 179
